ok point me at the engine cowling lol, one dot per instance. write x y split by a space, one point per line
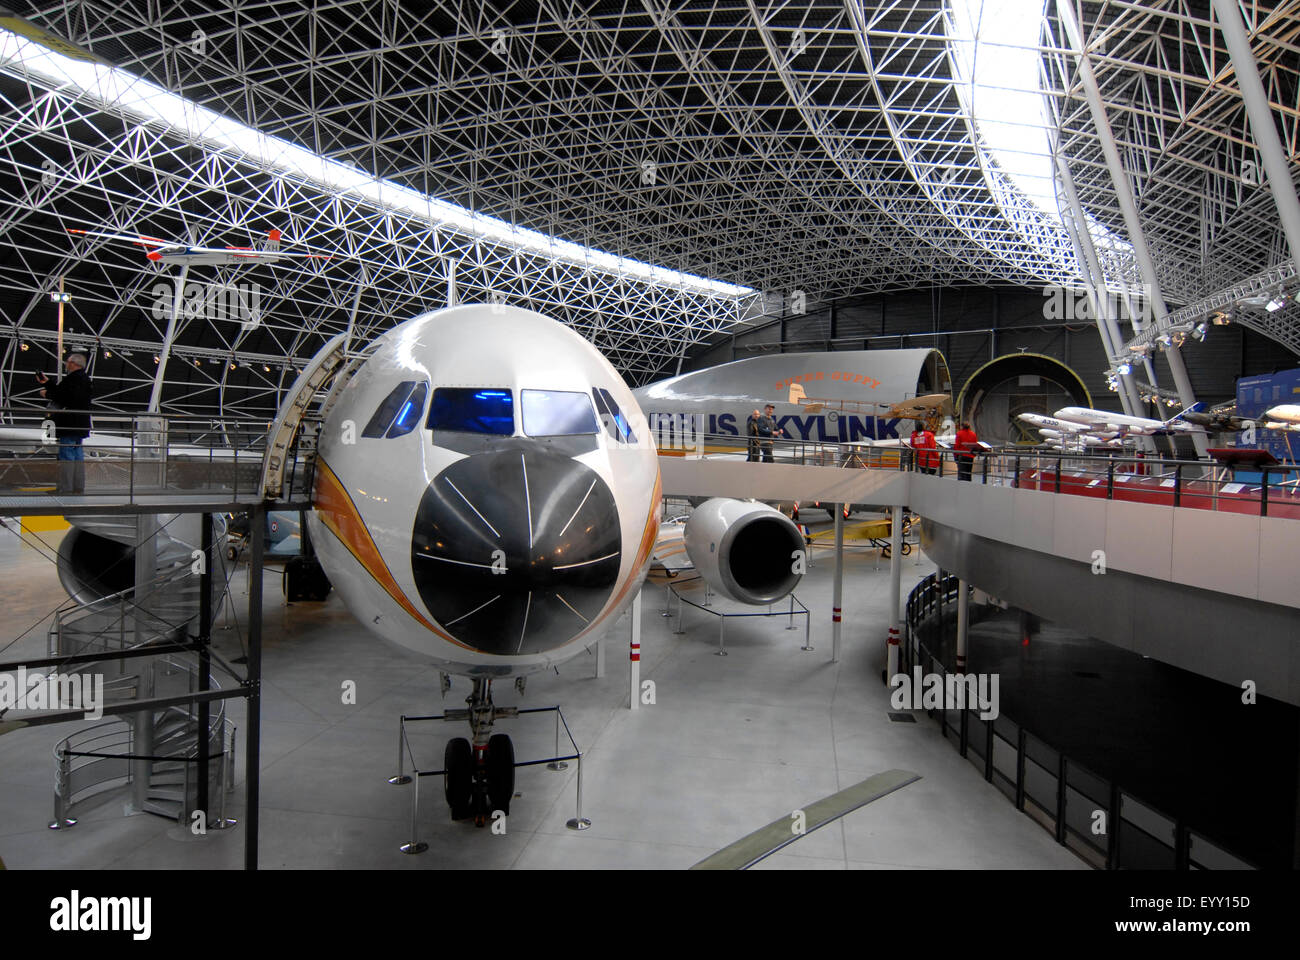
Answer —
745 550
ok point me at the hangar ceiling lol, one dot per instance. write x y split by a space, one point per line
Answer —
818 147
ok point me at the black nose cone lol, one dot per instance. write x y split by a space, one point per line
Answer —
516 551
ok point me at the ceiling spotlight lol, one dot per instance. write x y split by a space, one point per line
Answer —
57 297
155 358
1166 339
1199 331
108 353
23 347
198 362
1124 369
1221 318
233 365
266 368
1277 303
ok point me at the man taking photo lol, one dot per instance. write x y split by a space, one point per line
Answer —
71 398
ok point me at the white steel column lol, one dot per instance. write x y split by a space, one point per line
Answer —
1128 206
1085 251
838 595
895 588
155 397
634 653
1262 127
963 623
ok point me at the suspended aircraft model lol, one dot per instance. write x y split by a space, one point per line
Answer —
1285 416
1105 421
170 251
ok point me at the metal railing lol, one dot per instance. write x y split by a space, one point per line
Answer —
1192 484
1058 792
131 456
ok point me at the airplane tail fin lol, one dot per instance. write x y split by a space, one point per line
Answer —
1197 407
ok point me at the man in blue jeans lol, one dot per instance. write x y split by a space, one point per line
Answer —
72 397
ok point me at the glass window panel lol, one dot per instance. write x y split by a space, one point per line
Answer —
556 413
383 417
408 418
473 410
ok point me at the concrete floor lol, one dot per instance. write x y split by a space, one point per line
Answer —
731 744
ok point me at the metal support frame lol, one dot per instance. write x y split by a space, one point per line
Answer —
1262 128
724 616
1128 204
838 592
401 777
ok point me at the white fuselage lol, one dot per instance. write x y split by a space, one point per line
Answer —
477 500
1106 421
1056 426
1283 413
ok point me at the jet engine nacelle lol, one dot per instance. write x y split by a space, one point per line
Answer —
746 550
97 559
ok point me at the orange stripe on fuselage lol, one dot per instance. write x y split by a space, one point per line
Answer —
337 511
648 539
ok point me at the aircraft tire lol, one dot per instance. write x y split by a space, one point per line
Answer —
458 761
500 772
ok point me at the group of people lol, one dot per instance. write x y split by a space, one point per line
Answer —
927 458
762 431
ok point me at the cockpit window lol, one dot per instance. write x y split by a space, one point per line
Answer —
473 410
616 424
392 405
556 413
408 418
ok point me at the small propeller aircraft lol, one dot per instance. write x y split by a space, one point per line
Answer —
170 251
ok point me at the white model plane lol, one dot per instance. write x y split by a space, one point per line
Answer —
1285 416
1121 424
170 251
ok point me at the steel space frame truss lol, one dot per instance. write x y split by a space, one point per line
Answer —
1179 118
784 146
69 163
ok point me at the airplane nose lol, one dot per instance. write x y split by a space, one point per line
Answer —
516 551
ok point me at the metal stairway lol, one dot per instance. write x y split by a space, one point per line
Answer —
161 604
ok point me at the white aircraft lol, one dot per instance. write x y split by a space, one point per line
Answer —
487 494
1120 424
1045 424
1059 439
171 251
1285 416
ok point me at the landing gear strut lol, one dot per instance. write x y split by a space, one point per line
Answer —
480 777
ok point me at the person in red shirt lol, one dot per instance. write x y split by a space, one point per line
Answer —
922 440
964 443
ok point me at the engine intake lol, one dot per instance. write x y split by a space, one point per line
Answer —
745 550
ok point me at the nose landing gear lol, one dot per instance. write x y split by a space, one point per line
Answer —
480 778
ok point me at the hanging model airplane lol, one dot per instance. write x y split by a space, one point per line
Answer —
1105 421
169 251
1285 416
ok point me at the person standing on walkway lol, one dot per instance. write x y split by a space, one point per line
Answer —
71 398
964 443
767 429
922 441
751 430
